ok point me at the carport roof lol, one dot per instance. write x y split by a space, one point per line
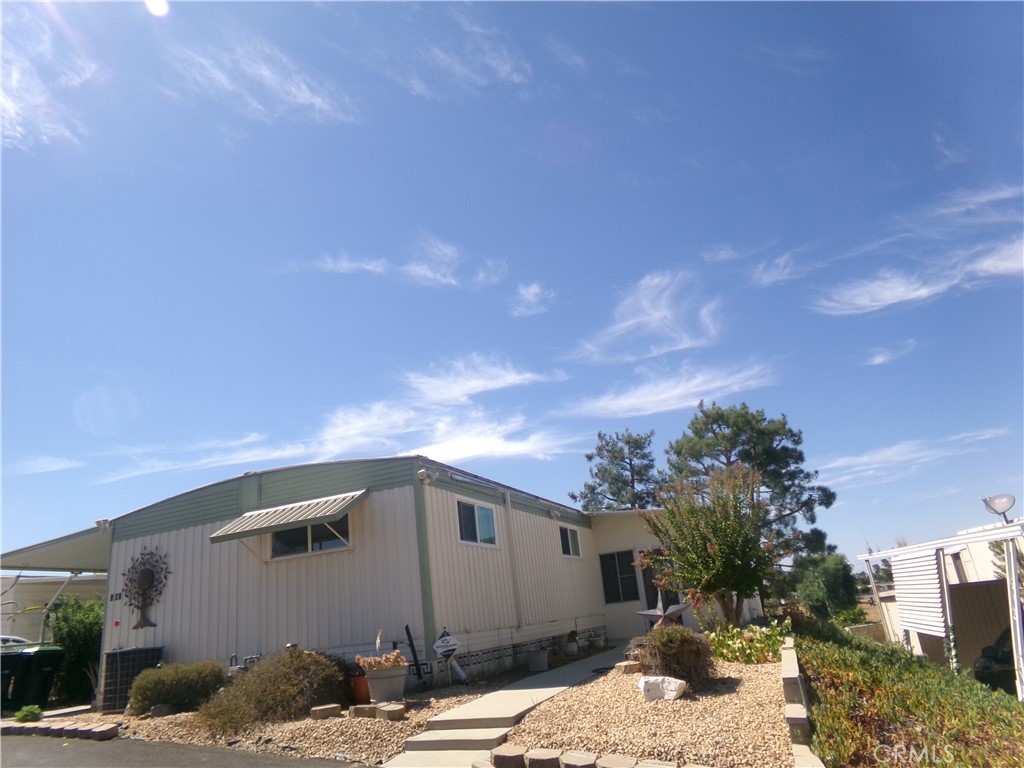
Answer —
84 551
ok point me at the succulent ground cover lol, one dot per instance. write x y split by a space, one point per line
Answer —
875 704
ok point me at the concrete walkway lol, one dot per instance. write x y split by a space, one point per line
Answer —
460 736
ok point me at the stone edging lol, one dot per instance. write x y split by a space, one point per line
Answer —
67 731
508 756
796 708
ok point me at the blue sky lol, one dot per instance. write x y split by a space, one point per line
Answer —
241 236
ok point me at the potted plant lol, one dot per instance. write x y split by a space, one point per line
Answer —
385 675
537 660
598 641
570 646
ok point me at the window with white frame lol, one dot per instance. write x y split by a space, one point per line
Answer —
619 577
476 524
570 541
310 538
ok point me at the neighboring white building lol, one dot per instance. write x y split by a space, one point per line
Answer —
327 555
949 600
25 599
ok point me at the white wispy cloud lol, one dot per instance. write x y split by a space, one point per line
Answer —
261 81
39 465
491 272
567 56
959 241
890 463
437 416
776 271
719 253
886 355
661 313
459 380
434 263
532 299
675 391
805 61
479 57
885 289
480 437
38 75
949 154
346 265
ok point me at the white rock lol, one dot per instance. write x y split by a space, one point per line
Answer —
655 687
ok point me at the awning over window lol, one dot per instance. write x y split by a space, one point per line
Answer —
85 551
312 512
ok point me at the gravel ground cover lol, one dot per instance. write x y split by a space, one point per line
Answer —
738 722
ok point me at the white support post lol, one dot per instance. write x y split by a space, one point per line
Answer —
1013 592
952 652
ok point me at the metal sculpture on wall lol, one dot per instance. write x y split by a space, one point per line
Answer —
143 582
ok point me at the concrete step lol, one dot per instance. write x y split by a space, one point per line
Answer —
445 758
461 739
469 722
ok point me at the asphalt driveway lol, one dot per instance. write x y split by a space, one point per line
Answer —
47 752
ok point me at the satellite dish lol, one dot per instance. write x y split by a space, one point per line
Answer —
999 505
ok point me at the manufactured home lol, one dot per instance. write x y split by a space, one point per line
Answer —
330 555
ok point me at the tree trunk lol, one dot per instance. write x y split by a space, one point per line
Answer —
729 602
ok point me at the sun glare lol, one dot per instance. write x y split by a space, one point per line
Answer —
157 7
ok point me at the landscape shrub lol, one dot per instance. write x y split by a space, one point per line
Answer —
182 686
30 713
873 702
750 644
850 617
681 653
279 688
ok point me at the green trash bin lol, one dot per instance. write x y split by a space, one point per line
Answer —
34 678
11 662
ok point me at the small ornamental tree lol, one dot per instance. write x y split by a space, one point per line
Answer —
711 537
76 625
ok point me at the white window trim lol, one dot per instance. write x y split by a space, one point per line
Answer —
573 533
476 511
269 545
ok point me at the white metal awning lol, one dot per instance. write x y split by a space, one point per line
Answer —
311 512
81 552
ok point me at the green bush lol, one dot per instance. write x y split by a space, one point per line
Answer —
750 645
30 713
76 625
283 687
182 686
850 617
680 652
872 703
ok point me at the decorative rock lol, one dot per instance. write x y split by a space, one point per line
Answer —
628 667
162 710
508 756
325 711
578 760
656 687
391 712
56 731
363 710
104 732
616 761
543 758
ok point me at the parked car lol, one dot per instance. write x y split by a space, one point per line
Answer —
995 667
13 640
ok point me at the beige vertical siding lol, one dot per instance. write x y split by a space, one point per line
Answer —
475 587
231 598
